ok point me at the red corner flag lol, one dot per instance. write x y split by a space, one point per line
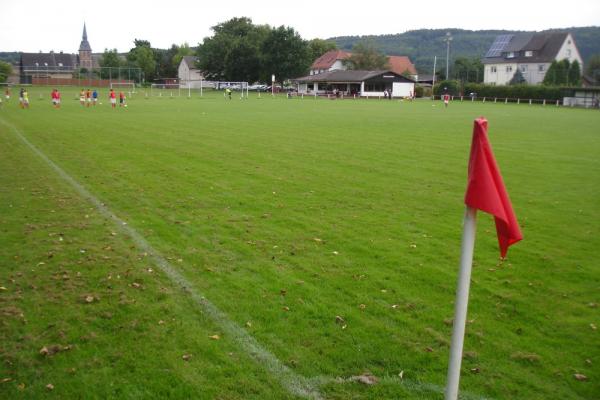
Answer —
486 191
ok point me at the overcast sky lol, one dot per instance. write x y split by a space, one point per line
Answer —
43 25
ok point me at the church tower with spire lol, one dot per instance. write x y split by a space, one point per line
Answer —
85 51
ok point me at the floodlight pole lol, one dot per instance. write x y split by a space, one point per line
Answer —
448 40
433 84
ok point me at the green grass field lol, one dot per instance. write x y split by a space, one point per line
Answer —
328 231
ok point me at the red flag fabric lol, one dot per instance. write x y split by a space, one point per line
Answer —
486 191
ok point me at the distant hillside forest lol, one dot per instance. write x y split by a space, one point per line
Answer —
422 45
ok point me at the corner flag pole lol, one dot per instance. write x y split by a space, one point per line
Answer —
462 300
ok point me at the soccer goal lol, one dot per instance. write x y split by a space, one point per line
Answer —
167 90
128 86
237 88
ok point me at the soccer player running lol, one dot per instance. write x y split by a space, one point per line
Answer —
88 97
113 98
95 97
82 97
7 94
121 99
446 99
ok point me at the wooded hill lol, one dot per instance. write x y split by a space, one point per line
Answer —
423 44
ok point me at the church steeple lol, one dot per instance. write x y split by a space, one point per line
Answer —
85 51
85 45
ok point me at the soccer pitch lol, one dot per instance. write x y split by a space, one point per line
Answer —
317 240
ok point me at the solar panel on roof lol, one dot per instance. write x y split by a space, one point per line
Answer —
498 45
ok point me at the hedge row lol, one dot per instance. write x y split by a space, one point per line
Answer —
538 92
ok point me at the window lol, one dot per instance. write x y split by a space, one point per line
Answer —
528 53
60 64
568 52
524 68
493 69
541 68
37 64
45 64
510 54
509 68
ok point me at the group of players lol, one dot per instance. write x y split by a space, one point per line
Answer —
86 98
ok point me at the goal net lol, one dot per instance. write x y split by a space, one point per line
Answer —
128 86
167 90
237 89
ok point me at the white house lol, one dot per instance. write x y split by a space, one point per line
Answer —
189 75
532 53
355 82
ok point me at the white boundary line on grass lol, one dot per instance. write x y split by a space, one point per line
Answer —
295 384
291 381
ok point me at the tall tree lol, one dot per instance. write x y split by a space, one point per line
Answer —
518 78
164 62
182 51
574 74
5 71
318 47
467 70
285 54
557 73
142 56
366 56
592 68
233 52
109 62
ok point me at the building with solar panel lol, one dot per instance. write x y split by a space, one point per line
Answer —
531 53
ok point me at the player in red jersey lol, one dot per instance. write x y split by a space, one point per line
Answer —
113 98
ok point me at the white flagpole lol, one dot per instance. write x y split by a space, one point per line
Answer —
460 305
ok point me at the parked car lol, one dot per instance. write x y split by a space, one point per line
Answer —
258 88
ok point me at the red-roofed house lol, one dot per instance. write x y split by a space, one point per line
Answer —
333 60
402 64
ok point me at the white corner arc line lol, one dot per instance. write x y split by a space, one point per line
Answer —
294 383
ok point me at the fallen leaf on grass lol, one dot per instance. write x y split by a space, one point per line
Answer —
50 386
21 386
401 374
593 327
3 288
286 308
6 380
339 319
249 324
136 285
475 370
88 298
362 306
186 357
580 377
215 337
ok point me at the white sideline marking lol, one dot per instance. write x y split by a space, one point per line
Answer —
294 383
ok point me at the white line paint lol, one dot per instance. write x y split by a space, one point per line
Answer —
295 384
